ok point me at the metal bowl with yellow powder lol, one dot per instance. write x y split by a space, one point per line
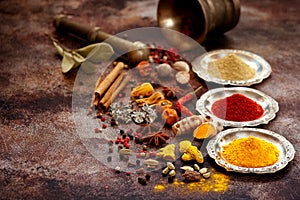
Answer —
250 150
231 67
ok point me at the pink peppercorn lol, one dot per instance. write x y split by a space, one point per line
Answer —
104 126
128 173
118 140
126 145
126 139
97 130
153 154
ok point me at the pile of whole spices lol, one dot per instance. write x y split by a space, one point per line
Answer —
250 152
237 107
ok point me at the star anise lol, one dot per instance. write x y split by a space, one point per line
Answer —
171 92
156 139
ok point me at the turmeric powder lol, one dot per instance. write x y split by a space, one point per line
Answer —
250 152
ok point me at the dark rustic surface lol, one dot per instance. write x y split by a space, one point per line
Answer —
41 155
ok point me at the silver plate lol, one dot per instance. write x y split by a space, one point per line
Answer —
215 147
269 105
260 65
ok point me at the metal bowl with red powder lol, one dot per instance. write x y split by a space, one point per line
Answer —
238 106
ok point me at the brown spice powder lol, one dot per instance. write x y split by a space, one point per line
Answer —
230 67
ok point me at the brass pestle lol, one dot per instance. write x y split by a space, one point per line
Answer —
134 52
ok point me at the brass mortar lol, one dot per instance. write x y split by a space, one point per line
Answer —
198 18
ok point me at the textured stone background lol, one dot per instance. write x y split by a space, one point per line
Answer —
41 155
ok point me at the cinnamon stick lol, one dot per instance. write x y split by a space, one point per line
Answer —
110 91
117 91
103 85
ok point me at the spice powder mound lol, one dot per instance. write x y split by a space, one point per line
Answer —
230 67
237 107
250 152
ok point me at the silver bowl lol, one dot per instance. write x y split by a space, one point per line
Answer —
269 105
215 147
260 65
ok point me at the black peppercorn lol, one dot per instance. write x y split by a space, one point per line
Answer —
120 147
138 140
130 136
110 142
142 181
147 177
113 122
138 163
122 132
171 179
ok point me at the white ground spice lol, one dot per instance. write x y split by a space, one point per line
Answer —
230 67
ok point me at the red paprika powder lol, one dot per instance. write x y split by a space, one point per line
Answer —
237 107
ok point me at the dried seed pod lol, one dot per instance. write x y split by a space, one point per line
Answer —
131 164
181 66
206 175
140 171
165 171
142 155
118 169
196 167
151 162
172 173
203 170
170 165
191 175
185 168
125 152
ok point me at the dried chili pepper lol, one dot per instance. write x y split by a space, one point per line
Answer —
181 108
188 96
183 100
